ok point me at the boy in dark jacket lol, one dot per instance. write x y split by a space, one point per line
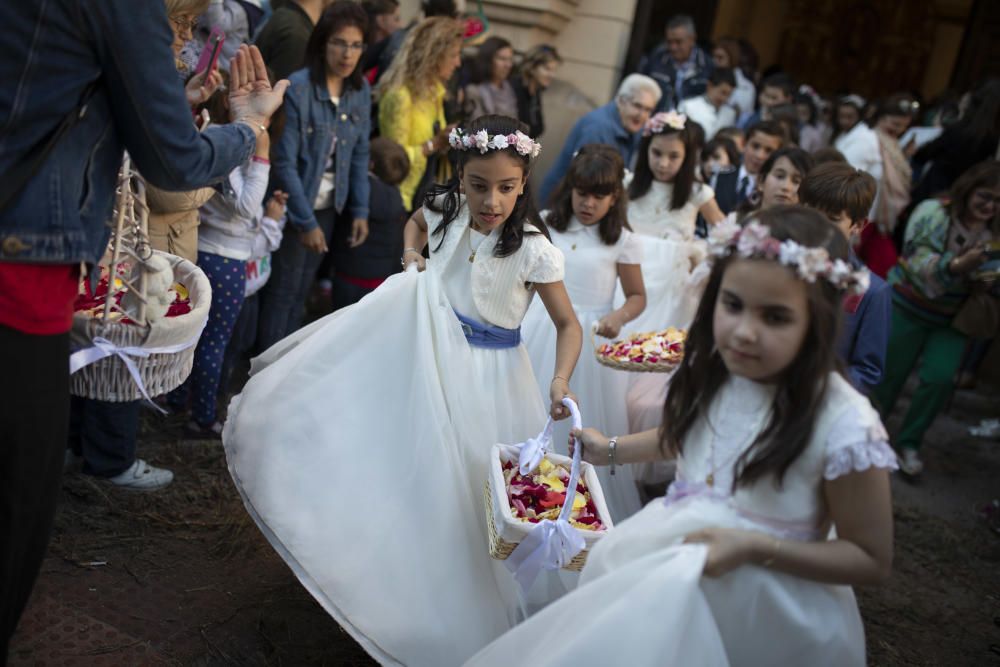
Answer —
845 194
360 270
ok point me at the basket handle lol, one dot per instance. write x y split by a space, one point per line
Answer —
532 450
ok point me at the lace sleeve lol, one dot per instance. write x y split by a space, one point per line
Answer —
857 442
631 250
546 263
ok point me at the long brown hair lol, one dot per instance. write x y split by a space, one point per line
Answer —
801 386
985 174
596 169
685 178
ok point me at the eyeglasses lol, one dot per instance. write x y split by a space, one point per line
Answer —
986 197
183 24
341 45
638 107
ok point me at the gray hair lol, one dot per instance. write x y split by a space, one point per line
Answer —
635 83
682 21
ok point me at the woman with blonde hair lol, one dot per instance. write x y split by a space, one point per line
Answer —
411 102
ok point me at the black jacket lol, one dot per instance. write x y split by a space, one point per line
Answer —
378 256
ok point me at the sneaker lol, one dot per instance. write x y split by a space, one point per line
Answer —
195 431
143 477
910 463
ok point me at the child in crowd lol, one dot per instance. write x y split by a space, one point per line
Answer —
845 195
712 110
360 269
230 221
665 198
734 134
587 223
778 181
361 442
719 154
733 187
775 91
782 498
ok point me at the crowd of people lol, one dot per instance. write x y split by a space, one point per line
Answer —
817 250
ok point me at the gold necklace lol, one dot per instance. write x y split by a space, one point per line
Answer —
472 255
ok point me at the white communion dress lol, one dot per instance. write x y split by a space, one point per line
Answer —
360 447
642 600
591 279
670 250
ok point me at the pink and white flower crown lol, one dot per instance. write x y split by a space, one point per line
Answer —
754 241
658 122
482 141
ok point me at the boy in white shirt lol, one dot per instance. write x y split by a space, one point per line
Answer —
712 110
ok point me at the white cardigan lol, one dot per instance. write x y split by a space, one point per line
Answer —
502 287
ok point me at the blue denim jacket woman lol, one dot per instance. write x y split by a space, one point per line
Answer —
327 115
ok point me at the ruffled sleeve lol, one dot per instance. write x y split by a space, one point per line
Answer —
545 263
702 194
857 442
631 249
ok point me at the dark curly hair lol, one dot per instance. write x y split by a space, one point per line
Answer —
447 200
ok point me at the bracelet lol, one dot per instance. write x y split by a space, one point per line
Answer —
768 562
559 377
261 160
406 250
612 446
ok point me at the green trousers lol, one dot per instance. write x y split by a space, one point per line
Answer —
939 351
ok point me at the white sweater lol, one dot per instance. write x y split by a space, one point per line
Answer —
231 219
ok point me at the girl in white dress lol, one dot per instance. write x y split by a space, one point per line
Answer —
665 198
588 225
360 444
782 498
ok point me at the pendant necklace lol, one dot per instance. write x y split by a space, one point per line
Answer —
754 432
472 248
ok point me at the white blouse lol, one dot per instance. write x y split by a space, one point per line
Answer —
651 214
592 265
502 287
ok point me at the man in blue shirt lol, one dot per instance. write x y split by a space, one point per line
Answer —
617 124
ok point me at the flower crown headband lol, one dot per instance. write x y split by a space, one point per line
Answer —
658 122
754 241
483 142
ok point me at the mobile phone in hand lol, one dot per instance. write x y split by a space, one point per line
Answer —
213 49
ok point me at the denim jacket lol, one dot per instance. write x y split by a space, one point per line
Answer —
311 122
52 50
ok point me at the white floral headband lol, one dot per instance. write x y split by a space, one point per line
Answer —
754 240
482 141
662 120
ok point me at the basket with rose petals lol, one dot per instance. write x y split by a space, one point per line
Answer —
651 352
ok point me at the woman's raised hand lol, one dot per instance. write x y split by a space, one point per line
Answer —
252 99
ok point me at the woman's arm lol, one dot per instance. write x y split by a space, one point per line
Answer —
711 212
630 276
285 168
414 240
360 188
569 338
861 509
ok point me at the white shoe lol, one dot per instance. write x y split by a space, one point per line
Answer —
910 463
143 477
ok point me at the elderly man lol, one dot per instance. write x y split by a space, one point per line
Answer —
617 124
678 65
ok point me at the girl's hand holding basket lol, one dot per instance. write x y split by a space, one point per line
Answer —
558 390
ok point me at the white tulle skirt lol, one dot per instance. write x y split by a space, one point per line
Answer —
671 298
642 602
360 447
601 393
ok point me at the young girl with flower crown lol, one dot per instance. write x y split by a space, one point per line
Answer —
587 223
781 501
665 198
361 443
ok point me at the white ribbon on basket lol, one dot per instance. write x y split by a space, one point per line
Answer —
551 544
103 347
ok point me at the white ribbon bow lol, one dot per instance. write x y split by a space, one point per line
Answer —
103 347
551 544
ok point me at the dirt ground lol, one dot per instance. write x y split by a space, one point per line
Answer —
182 576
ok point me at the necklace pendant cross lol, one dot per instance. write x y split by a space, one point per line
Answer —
710 480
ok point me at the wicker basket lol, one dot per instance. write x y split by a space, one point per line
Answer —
659 366
109 379
506 532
